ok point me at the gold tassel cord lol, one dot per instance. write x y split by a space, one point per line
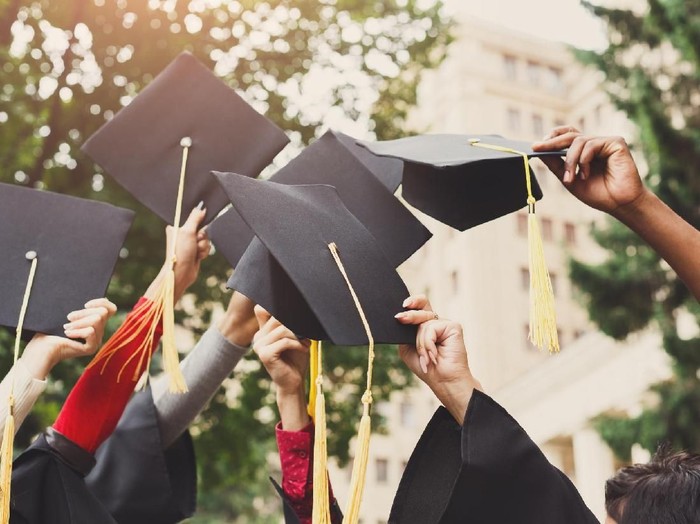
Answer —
543 319
313 375
151 312
8 439
359 468
321 504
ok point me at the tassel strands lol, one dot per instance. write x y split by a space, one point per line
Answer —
359 468
543 318
321 504
8 439
152 312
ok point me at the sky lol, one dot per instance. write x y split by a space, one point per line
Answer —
560 20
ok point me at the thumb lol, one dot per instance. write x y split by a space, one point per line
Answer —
196 218
262 315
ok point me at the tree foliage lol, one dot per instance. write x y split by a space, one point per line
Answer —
68 66
652 74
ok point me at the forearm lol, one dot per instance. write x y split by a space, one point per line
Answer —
674 239
27 389
209 363
293 410
456 395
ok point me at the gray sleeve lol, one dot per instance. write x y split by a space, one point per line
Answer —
209 363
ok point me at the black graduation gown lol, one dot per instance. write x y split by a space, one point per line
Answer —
290 516
133 481
487 472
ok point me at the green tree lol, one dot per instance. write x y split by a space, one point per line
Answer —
67 66
652 74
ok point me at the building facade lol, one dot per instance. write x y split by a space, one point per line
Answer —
497 81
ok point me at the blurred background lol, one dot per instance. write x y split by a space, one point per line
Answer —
627 376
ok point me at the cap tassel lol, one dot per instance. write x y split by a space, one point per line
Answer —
321 504
359 468
8 438
313 375
543 318
162 307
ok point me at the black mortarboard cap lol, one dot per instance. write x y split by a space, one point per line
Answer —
330 161
454 180
77 244
388 170
291 272
141 147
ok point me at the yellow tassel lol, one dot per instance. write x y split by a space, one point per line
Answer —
359 468
321 504
313 375
543 319
8 440
171 360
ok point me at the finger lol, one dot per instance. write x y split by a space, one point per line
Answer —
560 130
415 317
271 352
423 357
417 302
557 142
424 332
73 345
573 155
84 322
261 315
83 333
101 313
555 165
194 221
275 332
102 302
591 150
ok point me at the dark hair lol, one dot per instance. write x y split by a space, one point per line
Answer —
664 491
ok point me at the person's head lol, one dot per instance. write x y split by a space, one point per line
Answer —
664 491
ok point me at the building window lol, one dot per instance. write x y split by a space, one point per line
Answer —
547 229
514 119
598 114
407 415
538 126
525 278
534 72
578 333
522 224
454 281
554 81
559 123
570 234
382 466
510 67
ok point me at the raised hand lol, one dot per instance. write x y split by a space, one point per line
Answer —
599 171
43 352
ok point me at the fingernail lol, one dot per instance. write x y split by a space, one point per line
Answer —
433 358
406 302
423 365
400 315
200 206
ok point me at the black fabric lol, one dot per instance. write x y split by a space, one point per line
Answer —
296 224
46 490
460 184
77 243
361 180
133 482
290 516
140 147
503 476
138 482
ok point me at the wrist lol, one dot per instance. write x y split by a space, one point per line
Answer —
238 327
292 407
634 211
456 394
39 360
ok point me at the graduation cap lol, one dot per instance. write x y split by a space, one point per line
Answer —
59 252
365 185
324 264
162 146
467 180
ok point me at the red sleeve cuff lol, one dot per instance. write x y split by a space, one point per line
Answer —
296 452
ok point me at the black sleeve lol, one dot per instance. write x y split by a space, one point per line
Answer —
138 481
290 516
488 472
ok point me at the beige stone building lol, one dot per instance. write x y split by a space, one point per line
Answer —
497 81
